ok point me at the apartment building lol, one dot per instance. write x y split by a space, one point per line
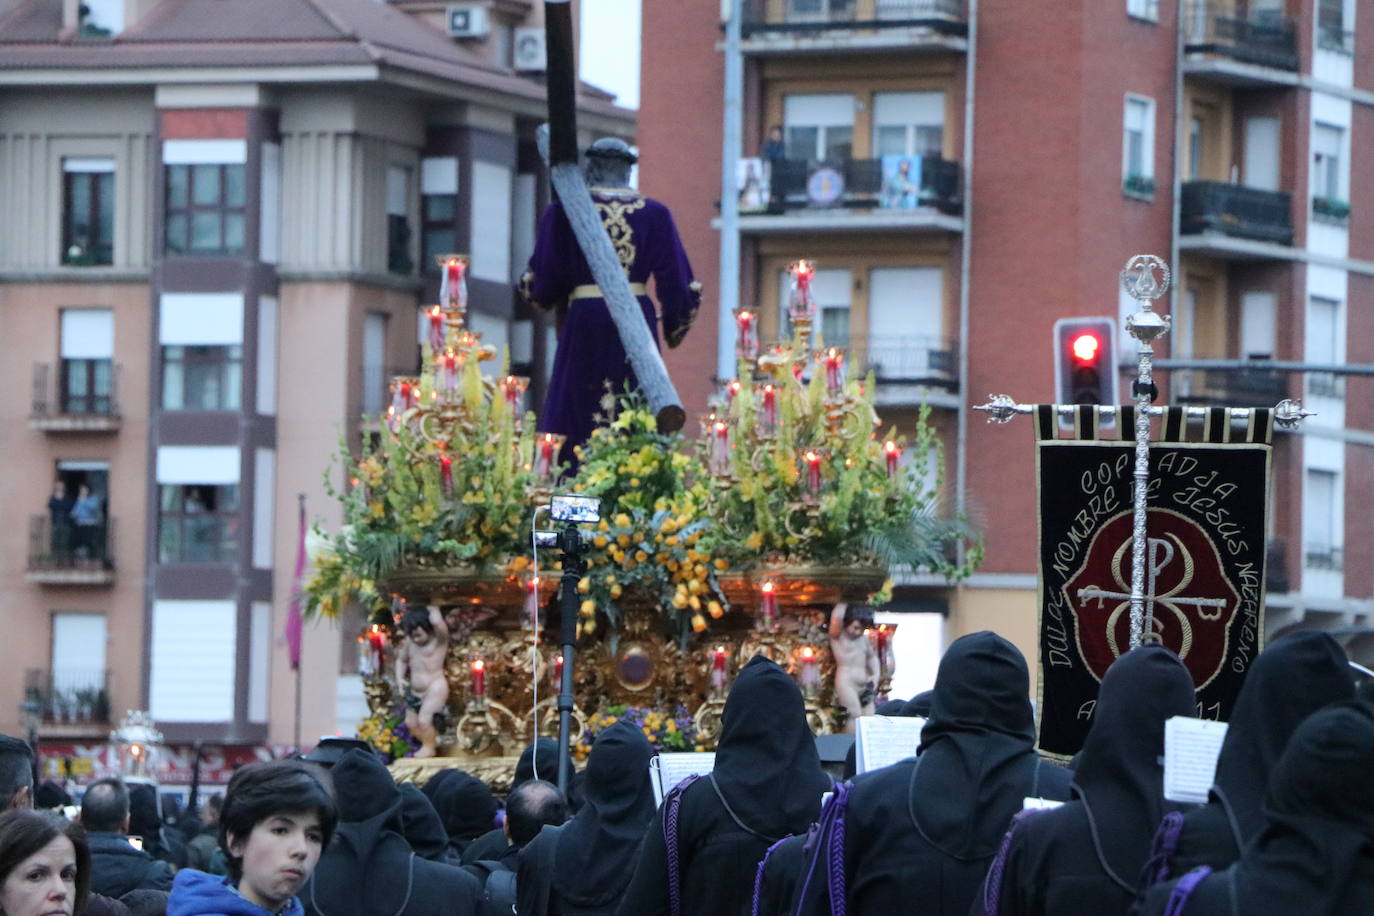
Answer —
966 172
217 223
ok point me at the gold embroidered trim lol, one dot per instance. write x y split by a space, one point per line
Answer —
614 216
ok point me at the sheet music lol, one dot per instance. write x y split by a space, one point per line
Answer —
883 740
1191 747
667 770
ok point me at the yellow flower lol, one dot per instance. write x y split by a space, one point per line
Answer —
714 608
698 623
754 541
518 563
588 609
600 540
622 520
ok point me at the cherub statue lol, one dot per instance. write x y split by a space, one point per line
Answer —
856 661
420 674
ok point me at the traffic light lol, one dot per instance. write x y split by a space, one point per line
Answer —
1085 361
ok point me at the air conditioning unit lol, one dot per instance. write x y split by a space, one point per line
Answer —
468 21
529 54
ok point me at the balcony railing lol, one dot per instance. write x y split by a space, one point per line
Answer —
1239 388
1233 209
1325 385
1323 556
64 553
70 696
796 184
946 17
914 359
1266 39
75 396
1332 34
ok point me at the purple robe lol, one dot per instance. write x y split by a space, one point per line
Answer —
590 353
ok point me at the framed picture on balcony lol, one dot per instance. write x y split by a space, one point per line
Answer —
824 186
755 184
901 183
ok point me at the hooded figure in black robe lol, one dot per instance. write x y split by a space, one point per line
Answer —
538 761
422 828
465 805
767 784
1085 856
369 869
918 835
1314 852
582 867
1291 679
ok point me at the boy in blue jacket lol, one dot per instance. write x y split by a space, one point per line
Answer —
276 819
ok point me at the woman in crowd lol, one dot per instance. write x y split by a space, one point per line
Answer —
45 866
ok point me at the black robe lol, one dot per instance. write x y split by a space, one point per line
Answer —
1085 857
918 835
1291 679
582 867
1314 853
779 877
369 869
767 784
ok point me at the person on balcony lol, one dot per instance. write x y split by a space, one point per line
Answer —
87 518
60 505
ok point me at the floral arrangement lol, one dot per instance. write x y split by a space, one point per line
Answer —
387 734
650 537
667 730
446 483
803 479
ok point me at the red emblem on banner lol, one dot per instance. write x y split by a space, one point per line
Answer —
1192 600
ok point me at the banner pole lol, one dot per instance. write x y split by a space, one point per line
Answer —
1145 278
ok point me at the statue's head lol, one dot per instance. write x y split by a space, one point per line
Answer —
857 617
416 626
608 163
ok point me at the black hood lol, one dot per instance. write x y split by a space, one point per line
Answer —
1315 853
977 750
366 871
1119 777
594 855
1291 679
766 762
546 758
420 825
465 805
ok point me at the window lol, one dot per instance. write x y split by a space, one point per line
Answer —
398 257
1320 531
819 10
1323 346
908 123
1333 31
905 336
374 363
1194 149
438 210
1327 196
87 212
206 377
818 127
198 523
1138 146
76 689
205 208
86 385
1143 9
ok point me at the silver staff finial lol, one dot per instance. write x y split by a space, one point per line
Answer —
1146 278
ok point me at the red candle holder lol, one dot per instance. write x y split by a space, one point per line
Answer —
479 678
719 460
453 283
436 330
746 334
810 673
446 474
812 460
801 306
768 602
768 410
833 360
546 456
892 453
718 658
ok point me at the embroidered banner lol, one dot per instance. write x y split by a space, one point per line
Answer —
1204 557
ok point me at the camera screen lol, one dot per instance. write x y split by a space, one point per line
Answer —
575 508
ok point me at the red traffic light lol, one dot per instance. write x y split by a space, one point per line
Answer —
1085 347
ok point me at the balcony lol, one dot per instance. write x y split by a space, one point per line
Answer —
75 702
68 554
1324 557
781 26
1332 34
1227 219
910 369
1238 388
1259 50
75 396
853 194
